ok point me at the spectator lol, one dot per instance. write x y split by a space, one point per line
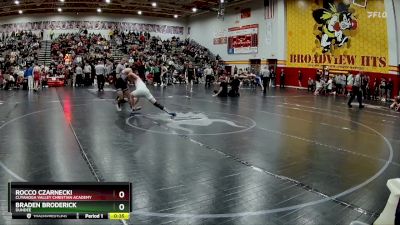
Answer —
282 79
343 83
273 76
375 94
319 86
235 84
120 67
365 86
300 78
141 69
329 85
389 88
29 75
349 83
396 104
87 71
209 74
163 76
36 77
109 68
318 75
2 81
51 34
310 85
382 88
78 78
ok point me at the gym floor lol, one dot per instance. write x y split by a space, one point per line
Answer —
286 157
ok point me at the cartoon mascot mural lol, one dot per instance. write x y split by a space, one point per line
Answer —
334 22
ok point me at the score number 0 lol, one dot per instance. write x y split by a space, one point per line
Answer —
120 215
121 195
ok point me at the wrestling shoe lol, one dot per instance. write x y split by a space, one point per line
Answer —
136 108
118 107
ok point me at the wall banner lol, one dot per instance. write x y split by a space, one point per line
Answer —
96 25
220 37
220 41
243 40
337 33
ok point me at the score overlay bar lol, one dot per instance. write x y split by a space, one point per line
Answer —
69 200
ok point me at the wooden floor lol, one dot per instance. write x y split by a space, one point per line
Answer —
286 157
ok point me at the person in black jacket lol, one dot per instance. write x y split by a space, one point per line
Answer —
142 70
389 88
93 73
235 85
282 79
122 90
273 76
223 90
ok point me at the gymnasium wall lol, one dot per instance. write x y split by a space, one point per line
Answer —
21 19
397 11
371 45
206 27
374 37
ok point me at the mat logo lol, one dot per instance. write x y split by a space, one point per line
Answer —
377 15
183 120
332 25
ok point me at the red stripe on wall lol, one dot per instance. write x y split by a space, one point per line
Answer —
291 77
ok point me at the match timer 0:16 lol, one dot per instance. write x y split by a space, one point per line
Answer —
70 200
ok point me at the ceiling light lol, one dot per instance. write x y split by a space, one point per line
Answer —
175 16
62 0
16 2
59 9
139 12
222 1
108 1
154 4
98 10
20 11
194 9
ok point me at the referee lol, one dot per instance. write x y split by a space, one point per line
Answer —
356 91
100 72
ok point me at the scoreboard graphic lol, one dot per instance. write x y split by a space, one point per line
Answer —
68 200
243 40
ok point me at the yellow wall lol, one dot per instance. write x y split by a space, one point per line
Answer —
366 50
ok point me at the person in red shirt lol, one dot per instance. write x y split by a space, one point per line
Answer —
142 38
36 77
